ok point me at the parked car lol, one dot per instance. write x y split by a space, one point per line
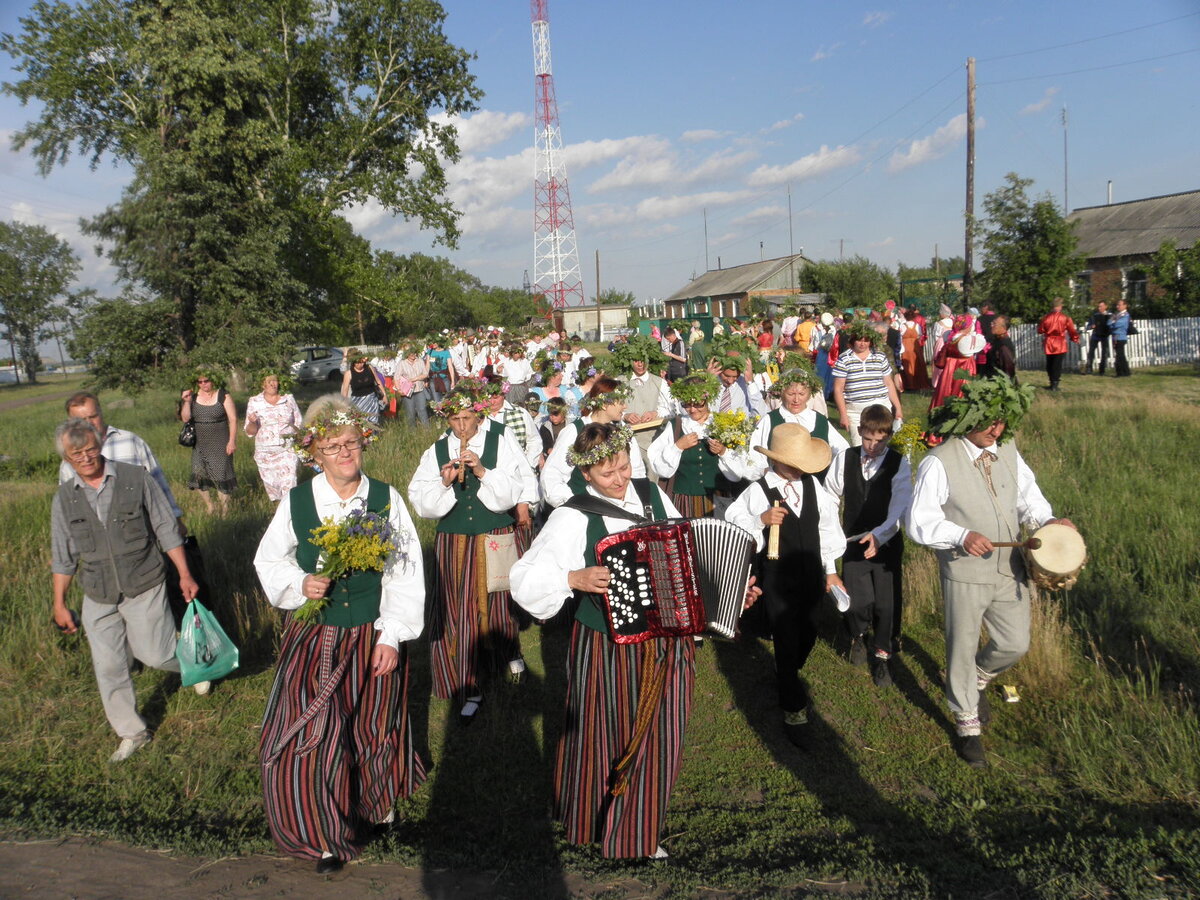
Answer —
317 364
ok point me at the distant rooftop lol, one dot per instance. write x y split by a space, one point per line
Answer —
1137 226
734 280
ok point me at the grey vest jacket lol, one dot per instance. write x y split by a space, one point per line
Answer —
972 506
118 557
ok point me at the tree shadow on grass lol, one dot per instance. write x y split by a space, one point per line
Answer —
885 836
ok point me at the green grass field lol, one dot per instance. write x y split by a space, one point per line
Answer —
1093 791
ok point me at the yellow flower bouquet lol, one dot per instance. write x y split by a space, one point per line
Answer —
361 542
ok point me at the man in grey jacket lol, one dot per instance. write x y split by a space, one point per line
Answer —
107 524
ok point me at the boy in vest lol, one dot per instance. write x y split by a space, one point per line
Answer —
810 542
874 483
971 490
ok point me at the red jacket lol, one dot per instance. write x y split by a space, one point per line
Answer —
1056 327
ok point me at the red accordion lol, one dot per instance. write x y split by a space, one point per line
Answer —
675 578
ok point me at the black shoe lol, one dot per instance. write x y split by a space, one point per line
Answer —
970 748
797 735
327 865
858 652
881 672
984 708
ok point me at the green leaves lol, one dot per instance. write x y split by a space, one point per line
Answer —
984 401
36 270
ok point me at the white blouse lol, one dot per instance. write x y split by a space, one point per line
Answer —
556 473
500 489
402 602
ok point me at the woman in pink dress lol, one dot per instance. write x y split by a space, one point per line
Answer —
270 416
957 358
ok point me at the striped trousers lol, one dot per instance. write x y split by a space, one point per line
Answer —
595 797
465 616
336 749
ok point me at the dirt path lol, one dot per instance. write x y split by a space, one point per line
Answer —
6 405
74 868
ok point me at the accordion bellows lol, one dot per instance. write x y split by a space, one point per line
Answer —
676 578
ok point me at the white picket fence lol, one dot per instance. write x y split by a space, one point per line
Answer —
1158 341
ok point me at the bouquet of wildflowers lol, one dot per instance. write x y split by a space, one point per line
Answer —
361 542
908 440
733 429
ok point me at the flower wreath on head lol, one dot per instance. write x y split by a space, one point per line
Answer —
797 375
330 422
619 440
545 366
460 401
287 383
700 387
582 375
620 394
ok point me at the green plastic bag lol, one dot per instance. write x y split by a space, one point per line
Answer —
204 651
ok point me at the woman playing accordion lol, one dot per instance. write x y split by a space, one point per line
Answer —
695 466
612 779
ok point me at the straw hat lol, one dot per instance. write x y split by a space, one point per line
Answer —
793 446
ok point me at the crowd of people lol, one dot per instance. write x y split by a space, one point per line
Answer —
541 452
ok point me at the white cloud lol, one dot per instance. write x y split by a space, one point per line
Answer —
485 128
699 135
934 146
886 242
678 205
1042 104
814 164
824 52
762 214
783 123
876 18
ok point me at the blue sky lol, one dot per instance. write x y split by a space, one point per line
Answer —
668 109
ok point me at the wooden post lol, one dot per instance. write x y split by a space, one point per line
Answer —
968 255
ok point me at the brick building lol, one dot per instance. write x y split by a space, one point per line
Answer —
1118 241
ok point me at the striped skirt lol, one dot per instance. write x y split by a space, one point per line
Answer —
693 507
336 750
465 615
612 780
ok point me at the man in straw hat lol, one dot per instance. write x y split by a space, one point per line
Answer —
971 490
810 542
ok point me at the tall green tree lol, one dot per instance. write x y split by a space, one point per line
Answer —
250 126
614 297
1029 251
850 282
1176 275
36 272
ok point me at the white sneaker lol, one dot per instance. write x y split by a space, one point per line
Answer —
660 853
130 746
202 687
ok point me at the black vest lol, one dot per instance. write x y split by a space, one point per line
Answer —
866 502
799 571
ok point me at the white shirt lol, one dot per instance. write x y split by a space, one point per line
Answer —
539 579
531 451
557 471
665 456
901 489
515 371
747 509
402 601
754 465
737 398
927 524
500 489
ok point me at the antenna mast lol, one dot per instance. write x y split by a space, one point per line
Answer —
555 254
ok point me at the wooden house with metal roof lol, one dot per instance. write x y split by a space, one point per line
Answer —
727 293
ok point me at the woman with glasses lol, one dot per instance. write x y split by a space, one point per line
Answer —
211 409
336 748
694 466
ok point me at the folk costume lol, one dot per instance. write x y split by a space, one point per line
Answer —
693 477
612 783
876 494
810 542
1055 327
561 480
755 465
466 615
336 748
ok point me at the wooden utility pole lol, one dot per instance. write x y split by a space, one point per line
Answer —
968 255
599 326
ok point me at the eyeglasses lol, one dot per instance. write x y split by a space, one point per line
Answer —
86 455
203 381
334 450
694 404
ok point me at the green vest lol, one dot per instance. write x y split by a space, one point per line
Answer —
470 515
698 474
590 613
821 430
577 483
353 598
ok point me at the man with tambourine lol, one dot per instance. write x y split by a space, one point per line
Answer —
973 494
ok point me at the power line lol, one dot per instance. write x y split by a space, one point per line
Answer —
1100 37
1132 62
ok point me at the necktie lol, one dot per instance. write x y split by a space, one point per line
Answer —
984 464
726 401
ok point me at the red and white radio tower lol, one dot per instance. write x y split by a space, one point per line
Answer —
555 254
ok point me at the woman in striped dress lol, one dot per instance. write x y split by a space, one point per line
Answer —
695 466
336 750
470 480
612 782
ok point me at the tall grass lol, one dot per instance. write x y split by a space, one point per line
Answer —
1093 790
